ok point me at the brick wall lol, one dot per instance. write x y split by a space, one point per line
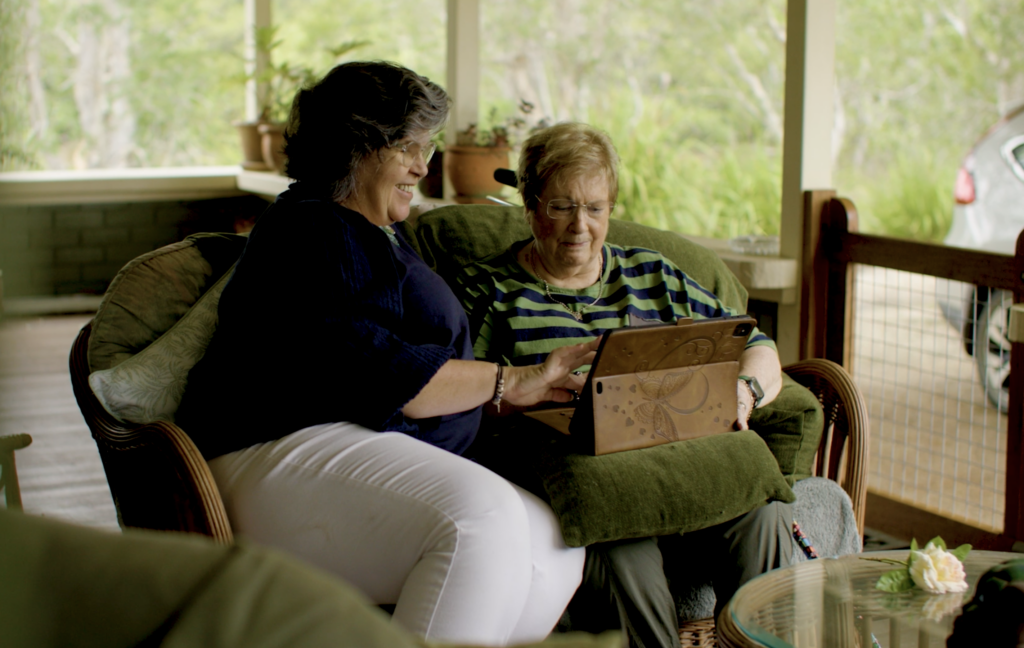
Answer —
67 249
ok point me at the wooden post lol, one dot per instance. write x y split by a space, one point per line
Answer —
814 276
1014 514
827 279
840 218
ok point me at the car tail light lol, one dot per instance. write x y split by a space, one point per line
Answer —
964 190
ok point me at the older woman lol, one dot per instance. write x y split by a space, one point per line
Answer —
340 387
566 284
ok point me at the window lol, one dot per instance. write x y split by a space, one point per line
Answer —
691 95
917 84
152 83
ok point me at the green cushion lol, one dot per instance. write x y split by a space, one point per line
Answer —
129 319
66 586
671 488
453 236
791 425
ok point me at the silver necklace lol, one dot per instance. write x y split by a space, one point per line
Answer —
547 288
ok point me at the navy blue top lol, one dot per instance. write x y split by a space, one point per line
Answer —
325 320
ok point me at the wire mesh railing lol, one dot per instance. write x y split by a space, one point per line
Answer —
924 330
937 442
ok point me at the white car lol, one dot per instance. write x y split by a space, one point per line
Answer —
988 216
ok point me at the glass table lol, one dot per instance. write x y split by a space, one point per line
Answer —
833 603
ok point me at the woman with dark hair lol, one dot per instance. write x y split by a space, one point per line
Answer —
340 389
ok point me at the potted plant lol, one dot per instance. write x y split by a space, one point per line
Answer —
249 131
263 140
471 162
432 184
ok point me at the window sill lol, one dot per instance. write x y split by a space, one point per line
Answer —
118 185
766 277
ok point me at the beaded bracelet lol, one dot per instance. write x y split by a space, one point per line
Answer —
804 542
499 386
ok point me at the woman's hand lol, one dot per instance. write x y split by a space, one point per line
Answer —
553 380
744 405
464 384
761 362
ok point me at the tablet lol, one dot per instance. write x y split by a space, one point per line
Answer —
657 384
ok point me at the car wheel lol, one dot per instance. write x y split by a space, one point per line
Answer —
992 348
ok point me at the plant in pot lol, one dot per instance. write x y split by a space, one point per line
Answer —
249 131
279 83
432 184
283 81
472 161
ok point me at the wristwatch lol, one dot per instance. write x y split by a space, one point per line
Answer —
755 389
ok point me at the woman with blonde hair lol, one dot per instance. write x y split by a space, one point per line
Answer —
565 285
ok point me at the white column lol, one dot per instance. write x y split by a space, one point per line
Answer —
807 147
463 82
257 16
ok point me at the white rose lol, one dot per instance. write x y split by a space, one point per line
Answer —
937 571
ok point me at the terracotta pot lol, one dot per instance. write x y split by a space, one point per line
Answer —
471 169
432 184
273 146
252 146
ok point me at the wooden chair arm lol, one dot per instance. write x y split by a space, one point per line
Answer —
846 427
157 476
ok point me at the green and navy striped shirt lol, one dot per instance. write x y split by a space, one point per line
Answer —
513 321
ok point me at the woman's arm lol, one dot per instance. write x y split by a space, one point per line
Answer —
461 385
761 362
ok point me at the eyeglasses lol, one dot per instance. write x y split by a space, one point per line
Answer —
562 208
411 150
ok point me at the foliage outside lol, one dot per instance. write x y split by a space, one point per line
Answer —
691 92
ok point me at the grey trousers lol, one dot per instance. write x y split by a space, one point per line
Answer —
629 584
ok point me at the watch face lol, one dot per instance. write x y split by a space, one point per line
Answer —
755 388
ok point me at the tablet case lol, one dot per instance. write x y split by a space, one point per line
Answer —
657 384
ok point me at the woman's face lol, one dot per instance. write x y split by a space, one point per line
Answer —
383 193
572 245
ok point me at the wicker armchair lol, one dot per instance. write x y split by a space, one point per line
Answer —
157 476
842 457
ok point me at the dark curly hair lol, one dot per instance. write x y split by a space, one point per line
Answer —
357 109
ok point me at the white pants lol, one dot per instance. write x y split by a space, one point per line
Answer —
466 556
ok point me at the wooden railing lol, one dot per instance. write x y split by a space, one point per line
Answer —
832 245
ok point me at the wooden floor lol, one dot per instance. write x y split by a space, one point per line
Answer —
60 473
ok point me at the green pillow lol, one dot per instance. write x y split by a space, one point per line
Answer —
671 488
791 425
65 585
